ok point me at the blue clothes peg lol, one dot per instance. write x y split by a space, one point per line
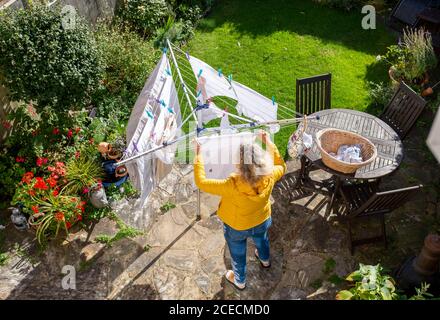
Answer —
168 71
200 73
273 100
199 93
165 50
163 103
230 78
220 72
170 110
149 114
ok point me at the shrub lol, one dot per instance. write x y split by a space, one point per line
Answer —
43 62
381 93
128 60
81 174
145 16
176 32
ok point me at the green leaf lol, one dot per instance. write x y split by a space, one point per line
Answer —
344 295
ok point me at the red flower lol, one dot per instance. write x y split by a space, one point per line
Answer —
56 131
51 181
79 218
69 134
31 193
91 141
7 124
77 154
41 161
55 192
27 177
68 225
77 129
85 190
50 169
40 184
59 216
35 209
19 159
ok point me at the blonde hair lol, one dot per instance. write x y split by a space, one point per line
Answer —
253 164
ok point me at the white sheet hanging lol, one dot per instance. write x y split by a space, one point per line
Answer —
221 153
154 120
254 105
433 141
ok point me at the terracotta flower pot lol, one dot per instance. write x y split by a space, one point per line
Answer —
427 92
114 154
104 148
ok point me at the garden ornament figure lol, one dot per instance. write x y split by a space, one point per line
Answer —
98 198
18 219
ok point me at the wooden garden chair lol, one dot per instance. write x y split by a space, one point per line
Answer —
364 200
313 94
403 110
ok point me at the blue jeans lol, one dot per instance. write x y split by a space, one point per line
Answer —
236 241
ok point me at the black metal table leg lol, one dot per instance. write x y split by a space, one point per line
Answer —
338 182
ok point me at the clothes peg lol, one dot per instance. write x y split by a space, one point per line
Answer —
170 110
168 71
165 50
230 78
162 103
273 100
200 73
149 114
187 55
199 93
220 73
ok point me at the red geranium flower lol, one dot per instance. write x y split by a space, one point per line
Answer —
41 161
79 218
31 193
51 181
77 154
85 190
35 209
68 225
27 177
7 125
59 216
40 184
77 129
69 134
55 192
19 159
56 131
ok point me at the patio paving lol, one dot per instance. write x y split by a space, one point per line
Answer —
181 258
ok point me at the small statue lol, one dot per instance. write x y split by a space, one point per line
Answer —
19 219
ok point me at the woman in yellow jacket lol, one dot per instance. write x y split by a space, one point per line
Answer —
245 202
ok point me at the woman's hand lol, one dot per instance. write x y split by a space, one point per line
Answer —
264 136
197 146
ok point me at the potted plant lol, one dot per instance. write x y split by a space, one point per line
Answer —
411 60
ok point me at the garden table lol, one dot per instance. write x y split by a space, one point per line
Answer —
387 141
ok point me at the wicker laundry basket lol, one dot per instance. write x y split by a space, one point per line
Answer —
329 140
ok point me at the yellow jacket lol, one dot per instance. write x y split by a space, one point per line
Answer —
241 207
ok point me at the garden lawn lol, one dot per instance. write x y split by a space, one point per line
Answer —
268 44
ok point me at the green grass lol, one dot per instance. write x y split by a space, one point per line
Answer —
267 45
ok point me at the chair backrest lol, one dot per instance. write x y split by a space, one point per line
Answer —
387 201
313 94
403 110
